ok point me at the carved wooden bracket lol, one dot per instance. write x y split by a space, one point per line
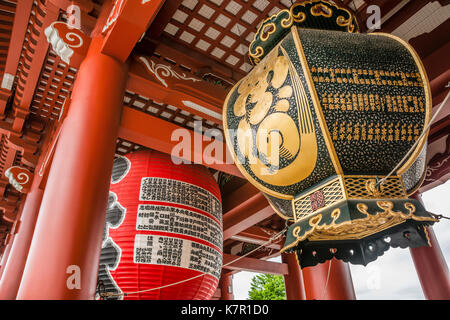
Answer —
113 15
439 165
70 44
20 178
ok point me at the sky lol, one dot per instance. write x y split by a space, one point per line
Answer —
392 276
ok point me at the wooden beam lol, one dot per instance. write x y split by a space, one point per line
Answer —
437 62
238 196
126 24
259 235
406 12
440 83
177 51
438 168
246 214
243 209
426 43
23 101
162 19
20 25
439 129
155 133
254 265
164 83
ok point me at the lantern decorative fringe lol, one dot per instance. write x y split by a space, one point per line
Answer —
163 225
323 116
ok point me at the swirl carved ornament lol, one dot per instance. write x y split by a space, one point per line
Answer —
20 178
69 43
162 71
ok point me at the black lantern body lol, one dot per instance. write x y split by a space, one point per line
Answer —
321 118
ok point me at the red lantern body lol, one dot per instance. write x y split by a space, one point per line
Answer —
163 226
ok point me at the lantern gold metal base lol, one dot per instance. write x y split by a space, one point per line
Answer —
358 231
349 217
363 251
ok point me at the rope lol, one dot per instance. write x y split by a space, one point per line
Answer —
425 131
271 239
439 216
328 278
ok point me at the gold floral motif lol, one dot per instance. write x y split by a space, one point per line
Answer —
299 18
296 231
346 23
320 9
372 188
360 228
314 221
265 34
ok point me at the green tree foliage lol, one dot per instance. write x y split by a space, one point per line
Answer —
267 287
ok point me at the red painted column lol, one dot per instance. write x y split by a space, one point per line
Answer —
65 251
339 287
5 255
226 286
10 281
293 281
431 267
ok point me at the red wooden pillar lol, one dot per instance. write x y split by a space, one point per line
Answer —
13 269
431 268
64 254
226 286
339 287
5 254
293 281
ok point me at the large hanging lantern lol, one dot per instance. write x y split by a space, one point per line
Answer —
323 116
163 225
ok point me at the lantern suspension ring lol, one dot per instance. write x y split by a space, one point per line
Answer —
383 180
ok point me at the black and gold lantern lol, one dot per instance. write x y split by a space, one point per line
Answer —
325 115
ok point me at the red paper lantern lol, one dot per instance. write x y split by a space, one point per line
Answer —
163 225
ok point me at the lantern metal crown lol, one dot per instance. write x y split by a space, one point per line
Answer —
323 116
306 14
